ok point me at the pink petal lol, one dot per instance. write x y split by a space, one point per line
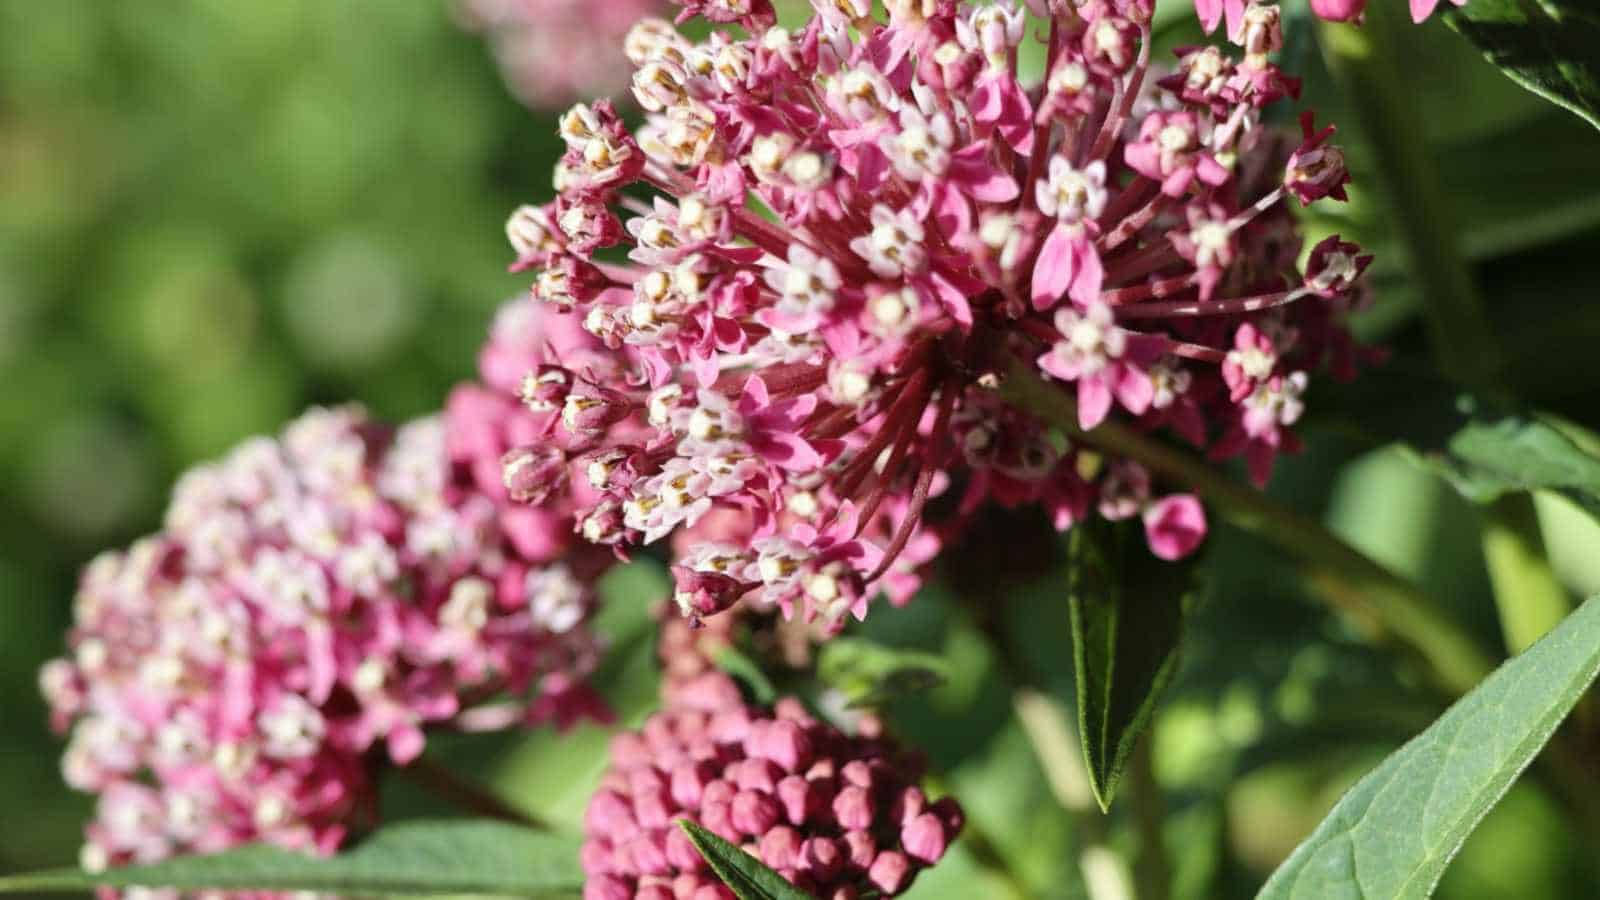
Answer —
1053 271
1175 525
1094 400
1422 9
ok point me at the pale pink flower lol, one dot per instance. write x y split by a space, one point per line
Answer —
314 604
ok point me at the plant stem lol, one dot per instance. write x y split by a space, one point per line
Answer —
1375 597
1152 866
439 781
1529 598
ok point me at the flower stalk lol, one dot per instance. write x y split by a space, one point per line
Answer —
1376 598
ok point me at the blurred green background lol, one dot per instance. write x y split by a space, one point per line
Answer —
214 213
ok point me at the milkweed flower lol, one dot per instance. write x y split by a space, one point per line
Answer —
1235 12
838 237
551 52
314 604
838 815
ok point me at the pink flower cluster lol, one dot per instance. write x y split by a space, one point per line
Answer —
857 226
1213 12
313 605
838 816
552 52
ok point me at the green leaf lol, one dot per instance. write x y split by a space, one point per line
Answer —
1550 47
408 859
1127 616
1496 454
741 872
1393 834
734 662
871 674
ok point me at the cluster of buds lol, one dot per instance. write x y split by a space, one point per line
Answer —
857 226
551 52
313 605
839 816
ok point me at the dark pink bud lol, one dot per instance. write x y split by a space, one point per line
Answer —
545 389
951 814
681 852
568 281
908 804
609 814
754 812
758 775
718 791
890 872
1338 10
700 594
649 852
716 818
863 848
603 525
609 469
844 892
782 741
590 409
801 800
822 857
689 781
924 838
606 887
532 474
791 709
853 808
859 774
653 808
1334 266
1316 169
595 856
684 886
780 848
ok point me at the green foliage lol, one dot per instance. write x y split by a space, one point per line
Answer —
1550 47
1496 454
411 859
872 674
1127 617
1393 834
741 872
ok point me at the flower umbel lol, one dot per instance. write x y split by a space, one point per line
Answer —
314 604
857 224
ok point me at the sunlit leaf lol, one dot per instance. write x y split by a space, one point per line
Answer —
1392 835
1550 47
409 859
741 872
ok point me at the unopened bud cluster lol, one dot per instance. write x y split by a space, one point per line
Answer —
839 816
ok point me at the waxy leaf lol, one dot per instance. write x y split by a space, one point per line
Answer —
409 859
1550 47
1127 616
1392 835
1497 454
872 674
741 872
